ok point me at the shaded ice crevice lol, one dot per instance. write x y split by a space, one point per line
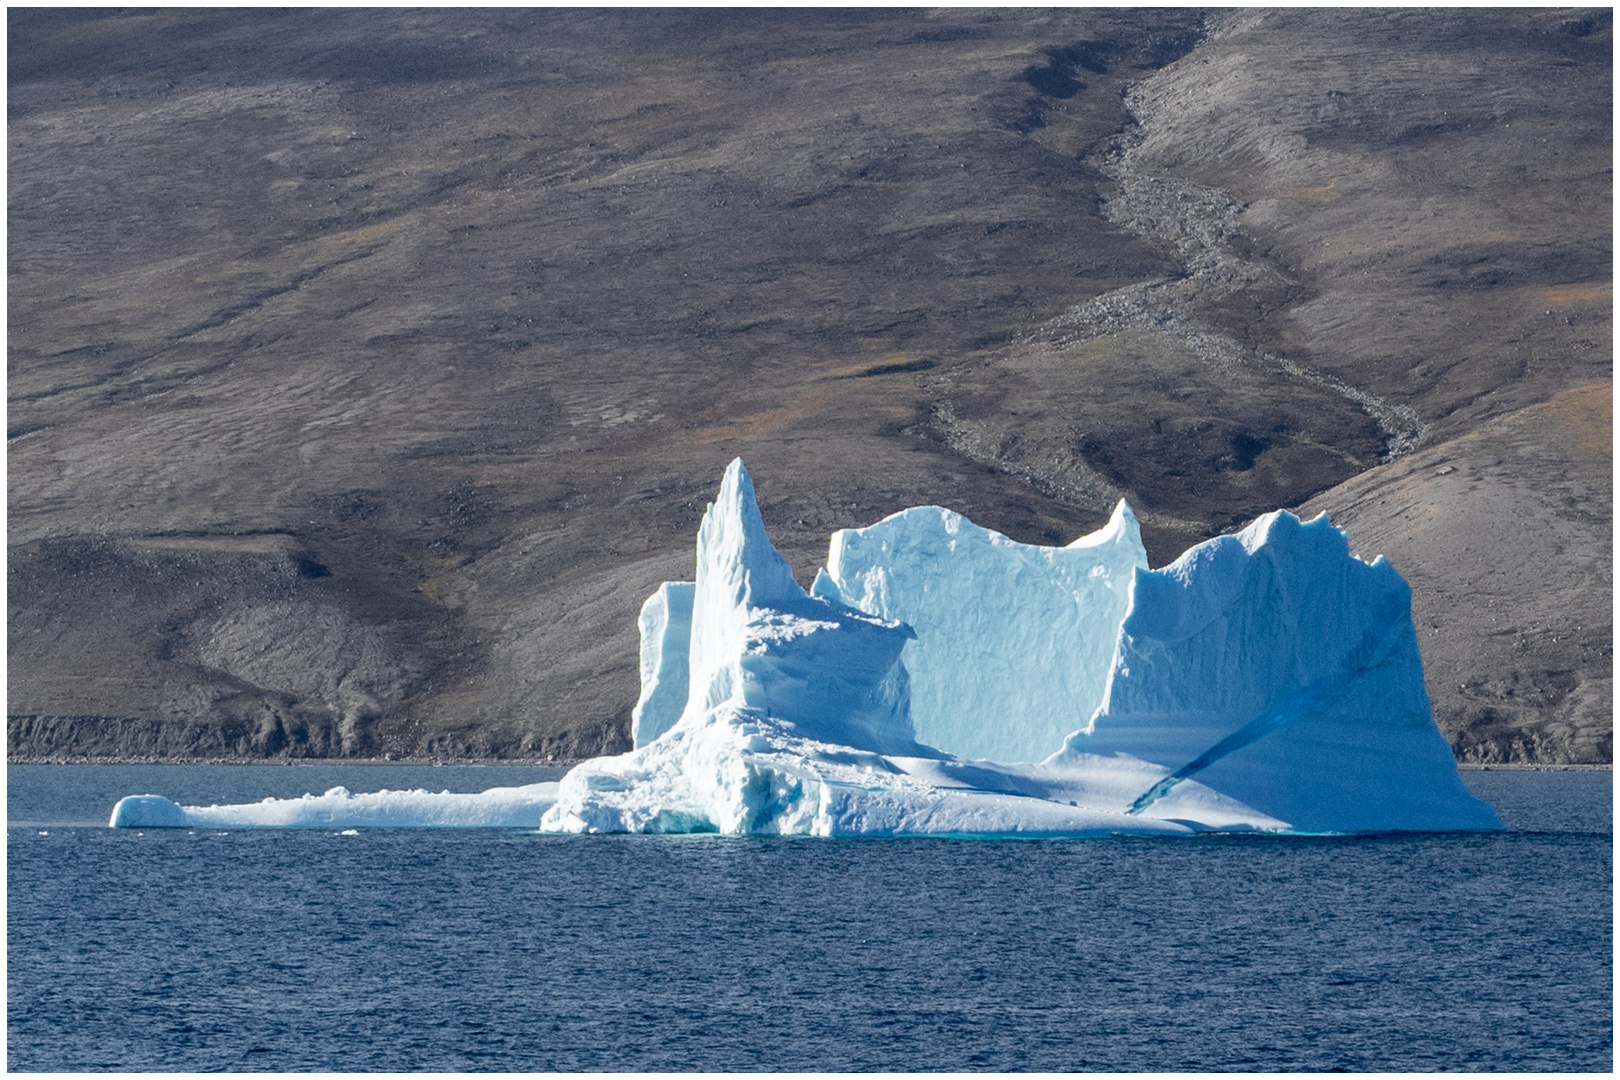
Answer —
1293 706
666 628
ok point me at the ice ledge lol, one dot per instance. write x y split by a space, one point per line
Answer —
497 808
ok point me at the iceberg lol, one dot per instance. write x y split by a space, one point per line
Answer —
940 679
501 807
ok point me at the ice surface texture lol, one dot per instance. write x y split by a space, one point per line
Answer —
1284 672
1268 681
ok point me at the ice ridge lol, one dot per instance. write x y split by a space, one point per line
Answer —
502 807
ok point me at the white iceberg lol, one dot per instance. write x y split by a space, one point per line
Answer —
1268 681
944 680
501 807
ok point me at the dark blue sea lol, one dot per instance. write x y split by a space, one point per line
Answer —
503 950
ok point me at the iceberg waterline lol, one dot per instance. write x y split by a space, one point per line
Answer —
942 679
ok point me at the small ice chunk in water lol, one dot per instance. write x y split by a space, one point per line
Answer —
147 811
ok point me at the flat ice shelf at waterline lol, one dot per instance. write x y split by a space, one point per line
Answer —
502 807
940 678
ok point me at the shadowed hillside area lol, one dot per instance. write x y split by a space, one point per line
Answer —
368 368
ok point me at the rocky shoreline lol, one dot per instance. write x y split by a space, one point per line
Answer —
423 762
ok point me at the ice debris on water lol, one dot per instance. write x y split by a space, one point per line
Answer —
942 679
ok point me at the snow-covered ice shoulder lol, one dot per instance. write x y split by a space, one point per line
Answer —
943 679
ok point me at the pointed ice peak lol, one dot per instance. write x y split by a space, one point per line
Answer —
736 563
1268 529
1121 526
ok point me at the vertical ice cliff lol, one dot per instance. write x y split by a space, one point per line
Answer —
1013 640
666 627
1282 671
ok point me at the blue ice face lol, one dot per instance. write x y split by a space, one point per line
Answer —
1279 669
1013 642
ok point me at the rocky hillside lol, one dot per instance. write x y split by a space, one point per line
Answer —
368 368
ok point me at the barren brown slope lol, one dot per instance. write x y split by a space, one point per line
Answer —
1506 537
368 367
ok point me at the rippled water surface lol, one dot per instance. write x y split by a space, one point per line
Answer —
486 949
